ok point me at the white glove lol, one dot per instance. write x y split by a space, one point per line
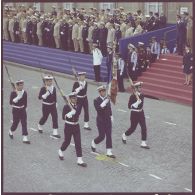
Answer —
135 105
50 89
112 118
87 39
103 104
77 90
45 95
133 69
139 101
191 67
121 74
61 33
71 113
17 32
15 100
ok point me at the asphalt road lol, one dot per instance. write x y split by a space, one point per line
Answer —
166 167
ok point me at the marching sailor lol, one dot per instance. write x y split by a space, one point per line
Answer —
72 128
49 103
18 100
103 121
80 88
137 116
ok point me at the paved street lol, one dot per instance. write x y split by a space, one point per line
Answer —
166 167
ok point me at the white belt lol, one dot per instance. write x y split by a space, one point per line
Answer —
18 106
136 110
48 103
72 123
79 96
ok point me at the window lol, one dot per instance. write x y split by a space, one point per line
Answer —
38 6
107 6
68 5
153 7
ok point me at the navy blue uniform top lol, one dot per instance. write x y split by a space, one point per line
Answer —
50 98
95 35
82 91
66 109
133 99
187 62
102 113
16 26
85 33
34 28
29 27
21 102
103 32
64 28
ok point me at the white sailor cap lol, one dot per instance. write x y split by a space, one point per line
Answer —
138 84
131 45
48 77
95 44
140 43
102 87
116 24
72 95
81 73
19 82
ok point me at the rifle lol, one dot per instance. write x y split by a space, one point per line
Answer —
62 94
10 78
131 84
74 71
42 75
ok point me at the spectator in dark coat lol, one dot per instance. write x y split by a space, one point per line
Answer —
64 35
163 21
29 31
84 36
149 23
95 34
34 31
103 32
188 65
16 30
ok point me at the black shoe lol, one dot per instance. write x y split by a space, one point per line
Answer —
40 131
111 156
93 149
11 136
57 136
26 142
61 157
124 141
87 128
82 164
145 147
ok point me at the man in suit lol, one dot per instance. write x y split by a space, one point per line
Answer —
181 35
89 38
150 21
135 104
11 27
56 33
84 36
49 103
18 101
80 37
95 33
111 35
39 31
75 30
34 31
16 29
102 38
103 121
72 129
64 34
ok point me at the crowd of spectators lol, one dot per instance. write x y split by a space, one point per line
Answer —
76 29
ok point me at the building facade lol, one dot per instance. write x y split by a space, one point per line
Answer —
170 9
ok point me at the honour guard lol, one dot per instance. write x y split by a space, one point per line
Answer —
49 103
120 72
137 116
80 88
155 49
72 128
104 121
18 100
142 65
